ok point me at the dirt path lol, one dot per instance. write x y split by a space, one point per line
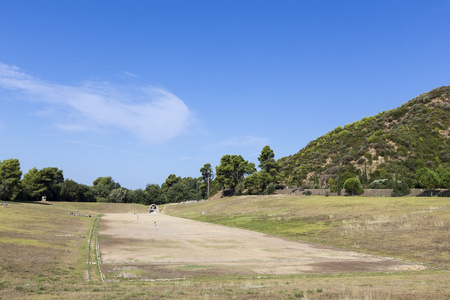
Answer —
177 245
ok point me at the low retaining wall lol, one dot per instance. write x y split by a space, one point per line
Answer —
367 192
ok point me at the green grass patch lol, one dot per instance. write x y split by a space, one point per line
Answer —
193 267
413 228
27 242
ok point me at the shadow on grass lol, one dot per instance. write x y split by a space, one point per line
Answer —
32 202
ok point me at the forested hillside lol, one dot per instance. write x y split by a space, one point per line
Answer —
399 141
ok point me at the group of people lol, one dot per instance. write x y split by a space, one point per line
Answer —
79 215
4 204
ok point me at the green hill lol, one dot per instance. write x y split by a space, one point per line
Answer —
410 137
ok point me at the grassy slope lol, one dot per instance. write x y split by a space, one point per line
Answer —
43 248
42 256
409 228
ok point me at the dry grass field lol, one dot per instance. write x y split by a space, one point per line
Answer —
132 247
47 253
411 228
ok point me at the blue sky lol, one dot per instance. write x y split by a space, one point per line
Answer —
139 90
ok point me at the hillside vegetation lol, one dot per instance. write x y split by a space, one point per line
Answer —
406 139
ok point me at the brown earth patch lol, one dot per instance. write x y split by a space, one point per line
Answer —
132 246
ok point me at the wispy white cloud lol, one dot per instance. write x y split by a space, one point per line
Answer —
128 74
150 113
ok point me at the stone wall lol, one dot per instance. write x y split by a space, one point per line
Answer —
367 192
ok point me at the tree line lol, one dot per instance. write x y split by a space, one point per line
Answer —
233 176
50 183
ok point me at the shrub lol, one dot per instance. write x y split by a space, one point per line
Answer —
400 189
347 159
427 179
380 174
381 184
353 186
445 156
348 175
361 151
270 189
399 112
445 178
375 135
239 188
361 160
369 157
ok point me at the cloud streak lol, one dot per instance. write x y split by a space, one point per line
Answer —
150 113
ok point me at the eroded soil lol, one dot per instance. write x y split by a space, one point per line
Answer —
131 246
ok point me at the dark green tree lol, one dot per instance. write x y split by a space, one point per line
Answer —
316 181
52 178
119 195
252 184
331 184
352 186
69 191
267 161
172 180
178 192
102 187
10 175
33 185
401 188
232 170
363 176
215 187
154 194
72 191
138 196
445 178
193 185
207 177
427 179
339 181
86 194
270 170
107 182
296 178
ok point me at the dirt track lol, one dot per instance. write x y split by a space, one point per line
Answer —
191 247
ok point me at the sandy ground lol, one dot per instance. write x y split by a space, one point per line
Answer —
203 248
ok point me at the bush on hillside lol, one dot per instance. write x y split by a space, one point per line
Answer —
445 178
353 186
270 189
381 184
